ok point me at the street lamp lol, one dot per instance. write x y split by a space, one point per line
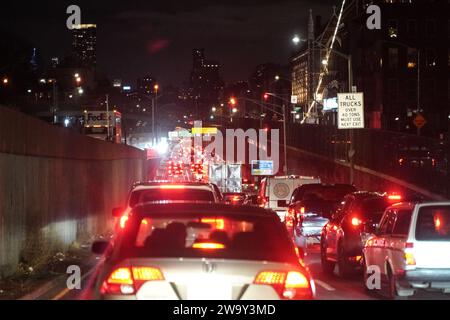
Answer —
5 81
296 39
213 109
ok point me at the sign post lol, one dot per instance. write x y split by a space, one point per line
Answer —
351 116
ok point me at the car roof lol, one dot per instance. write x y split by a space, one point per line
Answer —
206 208
326 185
188 184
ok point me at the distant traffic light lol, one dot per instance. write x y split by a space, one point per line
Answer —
233 101
266 96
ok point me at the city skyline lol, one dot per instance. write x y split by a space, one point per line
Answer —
154 40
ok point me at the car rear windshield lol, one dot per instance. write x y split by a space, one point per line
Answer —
222 237
433 223
374 208
156 194
327 193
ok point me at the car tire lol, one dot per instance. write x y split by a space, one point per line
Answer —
343 266
391 290
327 266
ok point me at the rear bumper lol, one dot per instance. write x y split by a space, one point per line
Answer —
427 275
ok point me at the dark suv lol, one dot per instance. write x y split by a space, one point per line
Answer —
353 222
310 208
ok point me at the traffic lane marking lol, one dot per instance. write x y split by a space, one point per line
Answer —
324 285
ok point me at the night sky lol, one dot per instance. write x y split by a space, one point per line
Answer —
136 38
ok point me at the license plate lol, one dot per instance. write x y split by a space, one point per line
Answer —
210 291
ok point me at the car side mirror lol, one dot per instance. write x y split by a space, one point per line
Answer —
99 247
117 212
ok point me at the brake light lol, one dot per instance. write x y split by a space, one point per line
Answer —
220 223
125 281
437 223
356 222
394 197
171 187
289 285
123 221
296 280
409 245
120 276
236 198
147 274
208 245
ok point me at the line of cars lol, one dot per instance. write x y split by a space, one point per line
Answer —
404 242
182 240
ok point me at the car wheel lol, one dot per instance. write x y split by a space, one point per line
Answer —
327 266
391 290
343 266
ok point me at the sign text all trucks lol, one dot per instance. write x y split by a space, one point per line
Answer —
350 110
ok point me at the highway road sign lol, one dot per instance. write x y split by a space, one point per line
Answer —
294 99
350 110
419 121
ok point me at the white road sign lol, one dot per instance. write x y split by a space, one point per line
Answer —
294 99
350 110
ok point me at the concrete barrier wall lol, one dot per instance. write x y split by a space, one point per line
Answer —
57 187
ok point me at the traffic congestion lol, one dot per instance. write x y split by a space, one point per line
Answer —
181 236
206 151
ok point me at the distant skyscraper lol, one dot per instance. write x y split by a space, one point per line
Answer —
146 85
205 82
84 43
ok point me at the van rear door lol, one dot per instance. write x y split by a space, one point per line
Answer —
431 234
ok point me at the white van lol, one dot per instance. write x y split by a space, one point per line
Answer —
275 192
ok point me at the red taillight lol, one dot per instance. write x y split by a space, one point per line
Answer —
172 186
409 245
208 246
219 223
289 285
394 197
120 276
125 280
123 221
356 222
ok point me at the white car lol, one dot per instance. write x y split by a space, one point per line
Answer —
411 249
200 251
